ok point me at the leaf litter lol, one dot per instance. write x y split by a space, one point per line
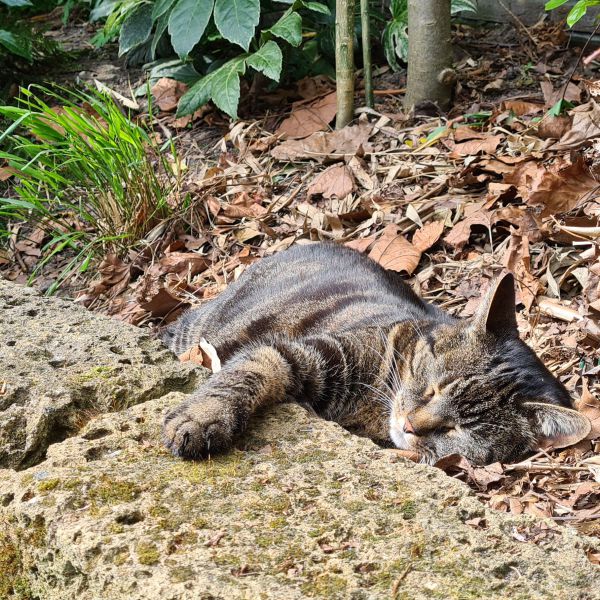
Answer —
502 182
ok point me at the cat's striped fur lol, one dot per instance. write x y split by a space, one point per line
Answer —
323 325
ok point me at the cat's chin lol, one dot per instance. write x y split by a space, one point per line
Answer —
401 439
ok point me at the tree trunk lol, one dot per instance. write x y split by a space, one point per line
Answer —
430 74
366 51
344 61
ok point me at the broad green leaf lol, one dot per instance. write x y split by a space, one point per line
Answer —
552 4
463 6
161 7
236 20
16 3
135 29
561 107
103 9
577 12
226 86
198 95
187 23
17 44
288 28
438 133
175 69
161 27
398 8
267 60
317 7
395 42
222 86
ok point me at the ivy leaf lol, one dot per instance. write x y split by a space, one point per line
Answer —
135 29
19 45
222 86
187 23
288 28
236 20
267 60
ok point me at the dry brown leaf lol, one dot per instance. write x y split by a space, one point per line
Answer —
462 134
518 261
586 127
486 145
551 127
115 277
7 173
554 189
522 107
162 303
589 406
181 262
361 244
454 463
552 96
193 354
336 180
307 118
484 476
394 252
461 232
321 146
167 93
428 235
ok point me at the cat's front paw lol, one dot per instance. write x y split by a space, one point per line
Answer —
197 429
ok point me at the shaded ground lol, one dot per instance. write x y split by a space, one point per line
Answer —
451 200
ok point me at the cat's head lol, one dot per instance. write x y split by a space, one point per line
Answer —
474 388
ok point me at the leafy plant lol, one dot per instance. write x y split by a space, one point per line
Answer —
220 38
86 174
577 12
395 34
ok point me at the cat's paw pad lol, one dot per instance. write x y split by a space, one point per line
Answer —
196 430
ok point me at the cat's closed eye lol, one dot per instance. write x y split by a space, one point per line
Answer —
429 394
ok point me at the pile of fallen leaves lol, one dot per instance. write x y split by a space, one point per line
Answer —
509 180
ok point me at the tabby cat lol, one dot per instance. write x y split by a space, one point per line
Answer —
325 326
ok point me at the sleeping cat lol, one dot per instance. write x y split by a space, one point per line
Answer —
324 325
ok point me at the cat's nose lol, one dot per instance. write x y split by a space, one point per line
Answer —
407 427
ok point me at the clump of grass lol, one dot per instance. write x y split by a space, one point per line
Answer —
87 174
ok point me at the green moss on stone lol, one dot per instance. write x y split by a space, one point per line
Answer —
99 372
121 558
13 583
147 553
48 485
326 586
409 509
107 491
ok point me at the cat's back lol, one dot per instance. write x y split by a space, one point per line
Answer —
305 290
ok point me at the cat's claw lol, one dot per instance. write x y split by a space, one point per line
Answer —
194 431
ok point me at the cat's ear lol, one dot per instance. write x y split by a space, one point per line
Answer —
556 426
496 313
